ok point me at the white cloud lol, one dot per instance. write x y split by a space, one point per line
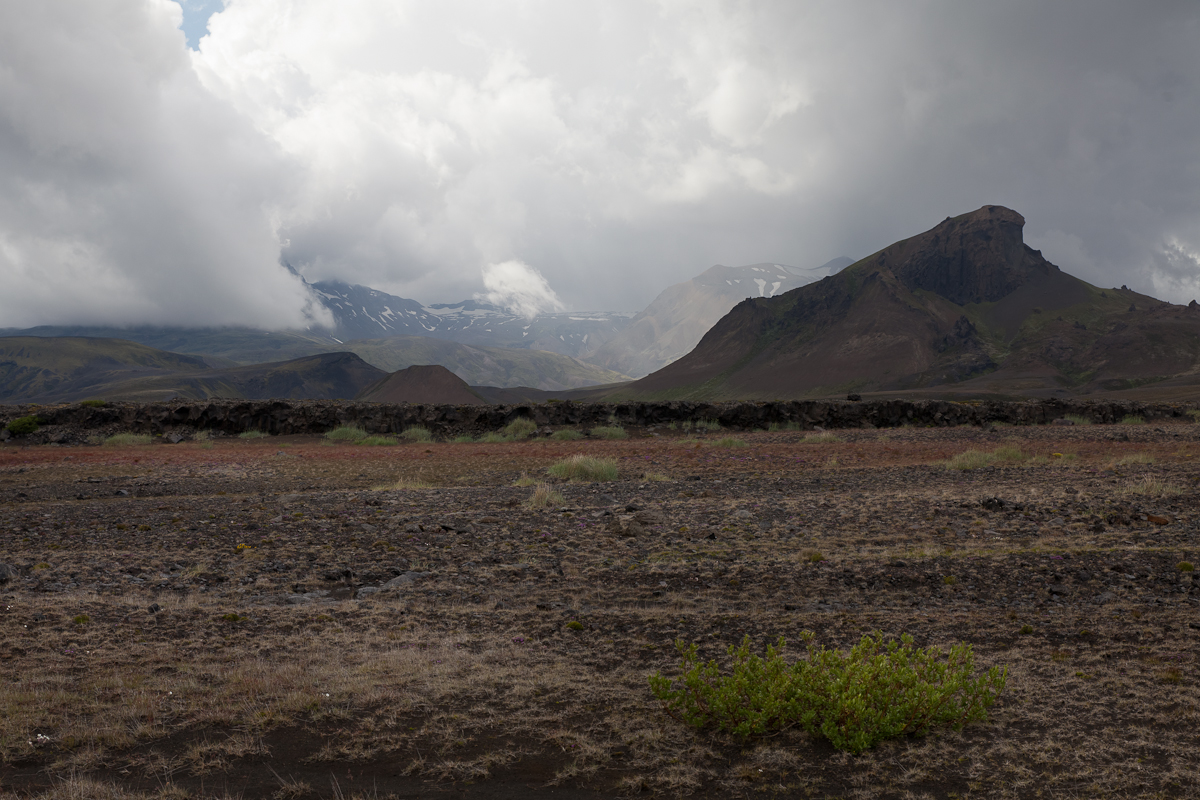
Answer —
619 146
519 288
128 194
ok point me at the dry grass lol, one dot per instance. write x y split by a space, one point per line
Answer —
470 676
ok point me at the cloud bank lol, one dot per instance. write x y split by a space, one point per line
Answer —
594 152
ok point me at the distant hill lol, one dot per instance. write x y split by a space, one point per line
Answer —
672 325
36 369
965 307
421 384
67 369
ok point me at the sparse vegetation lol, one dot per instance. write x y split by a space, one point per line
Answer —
23 426
417 433
1078 419
874 692
494 437
93 403
730 442
785 426
525 481
544 496
974 459
520 428
379 441
609 432
128 439
1133 419
823 437
566 435
252 435
347 433
1152 487
585 468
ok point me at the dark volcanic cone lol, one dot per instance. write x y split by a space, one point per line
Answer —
966 303
421 384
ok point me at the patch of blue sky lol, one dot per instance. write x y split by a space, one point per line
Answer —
195 18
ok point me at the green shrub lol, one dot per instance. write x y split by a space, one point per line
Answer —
93 403
574 625
1133 419
566 435
609 432
1185 566
708 425
379 441
252 435
463 438
346 433
525 481
417 433
520 428
124 439
585 468
855 700
492 437
23 426
729 441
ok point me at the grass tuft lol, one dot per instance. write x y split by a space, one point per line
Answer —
346 433
544 497
566 435
585 468
1153 487
378 441
252 435
729 442
609 432
417 433
1133 419
520 428
128 439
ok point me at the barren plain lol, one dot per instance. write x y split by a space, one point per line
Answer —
286 617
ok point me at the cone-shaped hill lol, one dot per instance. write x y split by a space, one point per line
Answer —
965 306
421 384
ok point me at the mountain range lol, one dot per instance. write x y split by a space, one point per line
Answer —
965 308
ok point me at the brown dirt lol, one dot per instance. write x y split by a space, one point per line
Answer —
190 620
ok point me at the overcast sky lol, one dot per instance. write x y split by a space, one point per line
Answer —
581 153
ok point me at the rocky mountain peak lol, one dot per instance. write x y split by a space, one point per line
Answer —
977 257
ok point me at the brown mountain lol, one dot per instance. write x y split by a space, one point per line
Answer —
965 307
421 384
679 317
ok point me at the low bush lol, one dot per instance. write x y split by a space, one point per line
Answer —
416 433
525 481
879 690
566 435
492 437
125 439
22 426
520 428
347 433
1133 419
585 468
609 432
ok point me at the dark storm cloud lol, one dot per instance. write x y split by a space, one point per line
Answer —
441 150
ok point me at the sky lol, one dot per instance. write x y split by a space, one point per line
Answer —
161 160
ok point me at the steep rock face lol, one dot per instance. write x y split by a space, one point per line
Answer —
966 303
